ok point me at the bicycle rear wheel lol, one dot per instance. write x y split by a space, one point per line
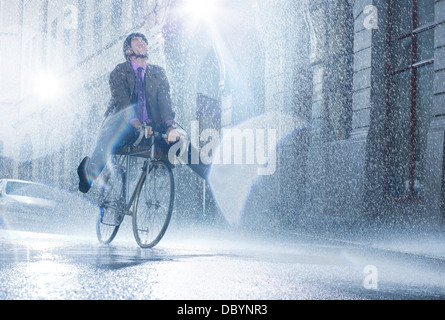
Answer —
111 203
153 205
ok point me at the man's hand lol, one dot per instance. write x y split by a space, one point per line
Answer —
148 131
172 135
139 126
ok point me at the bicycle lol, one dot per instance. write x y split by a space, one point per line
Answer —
150 203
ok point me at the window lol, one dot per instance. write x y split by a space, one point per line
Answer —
81 6
246 82
1 13
409 72
61 171
116 17
53 53
44 29
97 23
331 38
54 29
138 11
302 75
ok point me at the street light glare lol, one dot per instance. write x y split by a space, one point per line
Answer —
47 86
200 9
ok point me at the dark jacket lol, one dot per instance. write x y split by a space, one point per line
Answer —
157 92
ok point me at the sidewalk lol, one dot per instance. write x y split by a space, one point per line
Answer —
426 239
430 244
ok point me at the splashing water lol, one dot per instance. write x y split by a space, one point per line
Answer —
234 172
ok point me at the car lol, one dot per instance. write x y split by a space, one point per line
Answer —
24 203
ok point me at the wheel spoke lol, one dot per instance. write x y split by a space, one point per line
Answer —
153 205
112 201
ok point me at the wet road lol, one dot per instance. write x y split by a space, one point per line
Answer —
210 265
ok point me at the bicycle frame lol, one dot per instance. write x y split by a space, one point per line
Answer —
134 153
147 232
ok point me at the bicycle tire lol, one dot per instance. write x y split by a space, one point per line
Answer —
153 207
111 203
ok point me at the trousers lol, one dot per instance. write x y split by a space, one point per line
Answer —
115 133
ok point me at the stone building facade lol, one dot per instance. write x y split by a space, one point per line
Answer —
366 77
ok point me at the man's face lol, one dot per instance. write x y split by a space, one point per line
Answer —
138 46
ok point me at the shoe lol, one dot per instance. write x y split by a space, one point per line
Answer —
84 184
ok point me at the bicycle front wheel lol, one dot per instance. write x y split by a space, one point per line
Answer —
111 204
153 205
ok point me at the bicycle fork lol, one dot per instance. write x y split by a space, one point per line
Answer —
145 169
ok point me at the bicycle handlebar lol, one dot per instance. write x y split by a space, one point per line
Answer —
142 129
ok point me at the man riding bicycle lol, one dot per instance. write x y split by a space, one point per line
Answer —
140 100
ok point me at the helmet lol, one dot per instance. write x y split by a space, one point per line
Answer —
127 42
